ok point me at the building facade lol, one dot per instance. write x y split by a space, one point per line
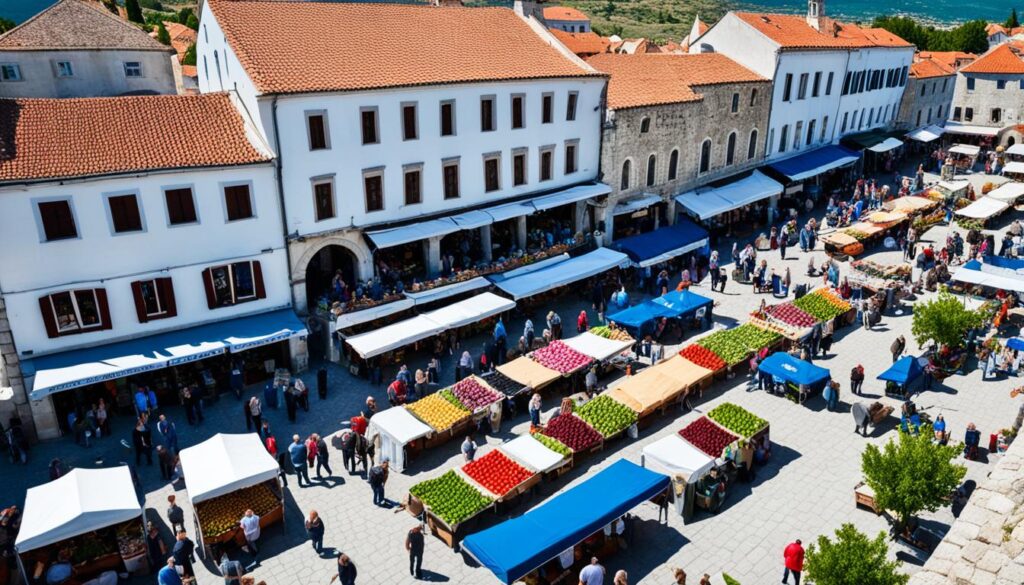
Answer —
77 49
930 86
566 19
988 100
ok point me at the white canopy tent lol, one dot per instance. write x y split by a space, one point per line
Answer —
673 456
957 128
81 501
470 311
532 453
397 428
983 208
927 134
597 347
886 145
225 463
570 195
709 203
1015 150
561 273
1008 192
1014 167
990 276
354 318
965 149
448 290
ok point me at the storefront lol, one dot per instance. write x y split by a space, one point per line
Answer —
983 136
637 216
815 173
734 208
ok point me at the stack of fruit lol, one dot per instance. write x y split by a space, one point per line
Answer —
754 338
475 394
438 411
450 498
572 432
609 333
560 357
822 305
703 357
707 436
497 473
222 514
130 540
723 344
553 444
737 419
791 315
607 416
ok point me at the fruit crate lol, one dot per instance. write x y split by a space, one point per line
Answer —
235 534
450 535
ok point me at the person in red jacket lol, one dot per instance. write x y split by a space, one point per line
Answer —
794 558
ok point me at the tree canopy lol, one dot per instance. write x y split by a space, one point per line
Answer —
969 37
134 11
852 559
162 35
944 320
6 24
1012 21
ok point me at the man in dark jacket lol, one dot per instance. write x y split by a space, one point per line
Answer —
321 383
377 477
184 553
322 456
414 544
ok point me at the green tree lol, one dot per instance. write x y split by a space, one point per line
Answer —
134 11
971 37
911 474
944 320
1012 22
852 559
609 9
162 35
190 55
6 24
192 22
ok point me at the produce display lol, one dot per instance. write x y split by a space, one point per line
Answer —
791 315
553 444
607 416
130 540
504 384
856 234
91 546
725 346
703 357
609 333
560 357
437 411
497 473
573 433
222 514
753 337
823 307
450 497
707 436
448 395
737 419
875 270
474 395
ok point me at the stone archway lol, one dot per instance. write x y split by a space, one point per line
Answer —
315 262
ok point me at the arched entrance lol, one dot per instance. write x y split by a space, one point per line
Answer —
321 270
1011 141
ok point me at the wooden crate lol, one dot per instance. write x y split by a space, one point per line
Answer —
865 496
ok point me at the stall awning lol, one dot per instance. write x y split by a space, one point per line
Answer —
448 290
597 347
784 366
532 453
642 202
528 373
515 547
361 316
226 463
510 211
965 149
984 208
663 244
886 145
671 305
927 134
399 424
813 163
1015 150
708 203
469 220
77 368
561 273
953 186
673 456
904 371
636 316
957 128
570 195
990 275
413 232
682 302
470 311
79 502
1015 167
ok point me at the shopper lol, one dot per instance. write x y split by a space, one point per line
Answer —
621 578
371 407
857 379
500 342
414 545
378 476
315 530
290 404
169 433
297 454
794 560
168 574
232 571
346 571
592 574
142 439
248 417
175 515
554 325
322 456
581 322
534 407
347 441
256 410
468 448
154 544
183 554
166 461
250 524
680 576
897 348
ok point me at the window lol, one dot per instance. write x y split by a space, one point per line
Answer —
368 118
997 114
753 97
853 121
705 156
846 83
652 164
956 114
547 107
843 128
938 114
673 164
570 107
518 120
752 145
154 299
645 125
450 176
787 88
970 84
624 180
413 185
316 127
410 130
903 76
10 72
373 190
810 132
735 103
570 157
923 86
1000 84
323 199
887 114
730 149
929 114
783 138
132 69
817 84
448 118
75 311
871 117
231 284
124 213
770 142
492 172
968 114
801 92
519 167
64 69
828 83
945 82
181 206
238 202
547 155
487 114
57 219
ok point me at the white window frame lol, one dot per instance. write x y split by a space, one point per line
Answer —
376 125
368 174
524 153
412 168
63 69
440 119
14 68
161 308
129 66
512 111
81 327
547 148
575 143
235 299
415 120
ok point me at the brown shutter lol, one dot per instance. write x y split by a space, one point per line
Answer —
101 301
167 296
140 304
46 308
257 279
211 297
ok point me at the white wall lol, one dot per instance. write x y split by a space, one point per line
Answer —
878 99
95 73
217 66
741 43
100 259
810 108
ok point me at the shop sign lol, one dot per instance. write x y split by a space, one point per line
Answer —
187 359
99 378
641 213
279 336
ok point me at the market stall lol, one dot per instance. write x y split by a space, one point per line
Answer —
910 204
444 414
400 435
93 515
516 548
528 373
598 348
875 276
927 134
964 156
548 276
533 454
1014 170
451 504
1008 192
640 319
900 375
798 378
983 209
646 391
988 277
839 242
558 356
663 244
683 463
226 475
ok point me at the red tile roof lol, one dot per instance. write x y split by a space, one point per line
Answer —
927 68
564 13
950 59
791 31
65 138
182 37
1002 59
583 44
293 47
646 80
76 24
994 28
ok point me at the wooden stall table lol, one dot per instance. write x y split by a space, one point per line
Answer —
529 373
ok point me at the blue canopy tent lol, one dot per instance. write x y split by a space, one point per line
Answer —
800 378
514 548
901 374
664 243
815 162
674 304
1015 343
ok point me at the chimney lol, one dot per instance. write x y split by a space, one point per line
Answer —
816 14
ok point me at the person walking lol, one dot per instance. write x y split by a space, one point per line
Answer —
183 554
297 454
169 433
290 405
250 524
500 342
857 379
322 456
155 545
469 448
232 571
256 411
348 450
897 348
534 408
592 574
315 530
346 571
794 561
166 461
175 515
248 417
378 476
414 545
142 439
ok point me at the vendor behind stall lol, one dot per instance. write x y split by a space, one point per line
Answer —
711 487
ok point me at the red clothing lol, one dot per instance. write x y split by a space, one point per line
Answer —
794 556
271 445
359 424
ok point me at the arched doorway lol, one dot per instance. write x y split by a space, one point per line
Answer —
1011 141
320 272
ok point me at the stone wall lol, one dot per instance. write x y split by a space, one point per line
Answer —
985 97
933 99
10 376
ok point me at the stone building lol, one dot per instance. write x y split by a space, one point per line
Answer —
567 19
988 101
676 122
929 91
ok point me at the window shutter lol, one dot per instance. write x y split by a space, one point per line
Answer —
101 301
167 295
211 298
46 308
140 305
257 279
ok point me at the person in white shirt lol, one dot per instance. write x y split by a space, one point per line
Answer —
250 524
592 574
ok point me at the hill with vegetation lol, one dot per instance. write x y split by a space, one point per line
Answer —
660 20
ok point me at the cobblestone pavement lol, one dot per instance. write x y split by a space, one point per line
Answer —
805 490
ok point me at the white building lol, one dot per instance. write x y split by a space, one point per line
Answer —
386 148
161 248
78 49
567 19
830 78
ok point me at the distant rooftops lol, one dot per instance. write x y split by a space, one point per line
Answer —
938 63
77 24
1003 58
792 31
583 44
564 13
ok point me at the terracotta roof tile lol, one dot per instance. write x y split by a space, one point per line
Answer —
950 59
1002 59
65 138
928 68
791 31
564 13
645 80
583 44
75 24
182 37
291 47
